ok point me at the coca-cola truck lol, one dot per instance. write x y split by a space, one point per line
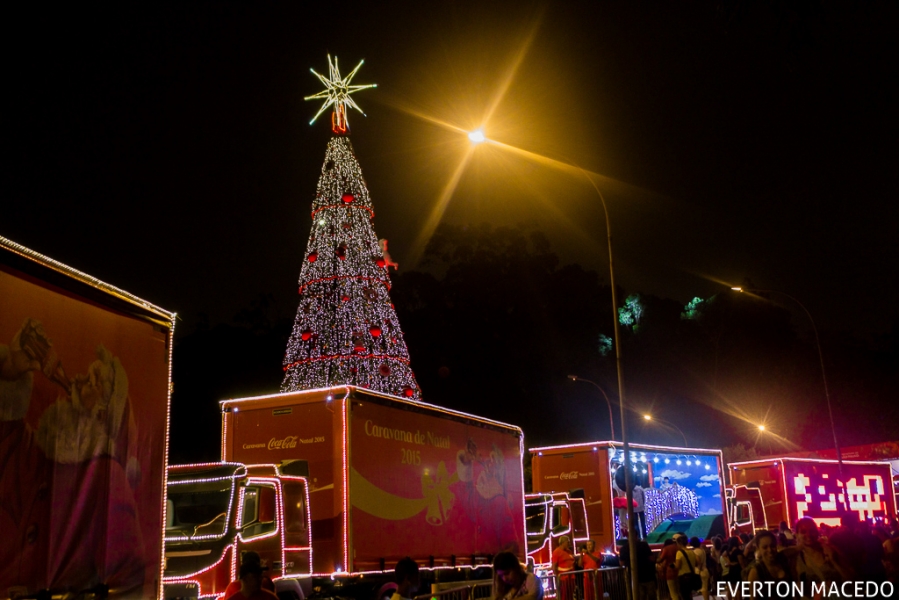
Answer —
84 392
765 492
334 486
681 490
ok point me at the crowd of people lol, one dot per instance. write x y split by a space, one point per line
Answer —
805 562
812 561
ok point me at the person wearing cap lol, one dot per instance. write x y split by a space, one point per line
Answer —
250 558
667 567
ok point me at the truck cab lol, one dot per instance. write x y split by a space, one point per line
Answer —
550 516
215 512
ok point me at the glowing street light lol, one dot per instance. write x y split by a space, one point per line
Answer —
761 428
477 136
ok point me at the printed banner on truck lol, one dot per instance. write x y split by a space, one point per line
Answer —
83 402
429 486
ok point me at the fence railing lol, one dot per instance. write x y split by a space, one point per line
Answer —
591 584
473 590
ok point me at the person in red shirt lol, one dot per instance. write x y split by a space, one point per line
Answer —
563 560
590 562
251 584
246 558
667 567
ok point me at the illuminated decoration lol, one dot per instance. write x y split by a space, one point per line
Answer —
165 472
337 94
866 498
661 504
549 531
813 488
268 475
346 330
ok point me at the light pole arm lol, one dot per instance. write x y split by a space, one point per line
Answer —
604 395
833 429
677 429
628 477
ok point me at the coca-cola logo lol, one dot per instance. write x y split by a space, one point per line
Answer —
288 442
568 475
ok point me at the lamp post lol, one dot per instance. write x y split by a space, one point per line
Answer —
608 402
833 429
477 137
648 417
628 476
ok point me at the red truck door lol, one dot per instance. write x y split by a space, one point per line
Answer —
257 522
297 547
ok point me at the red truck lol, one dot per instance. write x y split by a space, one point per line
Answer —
767 491
682 491
332 487
84 393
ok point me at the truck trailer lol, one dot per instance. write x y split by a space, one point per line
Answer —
84 393
333 486
767 491
682 490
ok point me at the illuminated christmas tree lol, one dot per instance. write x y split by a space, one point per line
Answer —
346 330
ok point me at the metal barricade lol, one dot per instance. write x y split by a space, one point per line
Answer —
475 590
607 583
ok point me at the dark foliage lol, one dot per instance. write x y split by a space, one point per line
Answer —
494 324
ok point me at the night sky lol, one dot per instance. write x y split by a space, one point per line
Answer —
166 148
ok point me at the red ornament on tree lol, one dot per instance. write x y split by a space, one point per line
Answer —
375 331
347 198
408 392
384 370
341 251
380 262
306 335
313 256
345 298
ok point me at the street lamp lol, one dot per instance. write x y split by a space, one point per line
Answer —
648 417
628 476
833 429
477 137
608 402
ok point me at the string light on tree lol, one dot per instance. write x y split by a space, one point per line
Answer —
346 331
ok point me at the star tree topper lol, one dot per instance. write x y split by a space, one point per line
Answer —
337 92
